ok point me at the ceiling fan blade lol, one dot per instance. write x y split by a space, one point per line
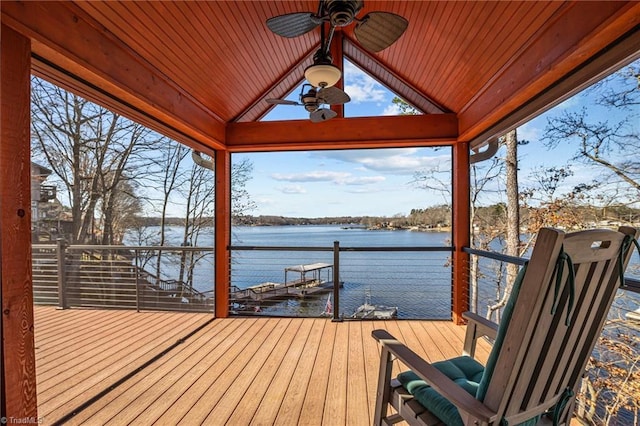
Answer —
379 30
322 114
292 24
332 96
281 102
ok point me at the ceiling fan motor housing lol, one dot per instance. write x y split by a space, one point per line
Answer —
342 12
310 100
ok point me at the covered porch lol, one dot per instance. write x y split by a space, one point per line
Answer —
199 72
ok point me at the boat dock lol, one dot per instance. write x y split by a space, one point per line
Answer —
300 281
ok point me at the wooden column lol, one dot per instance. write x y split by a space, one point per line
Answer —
460 231
222 232
18 368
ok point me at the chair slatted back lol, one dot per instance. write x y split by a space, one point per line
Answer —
542 356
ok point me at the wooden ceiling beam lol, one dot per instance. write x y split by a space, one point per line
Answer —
343 133
65 36
560 48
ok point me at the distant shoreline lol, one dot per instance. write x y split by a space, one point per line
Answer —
367 222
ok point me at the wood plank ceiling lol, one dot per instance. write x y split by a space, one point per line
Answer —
227 59
478 60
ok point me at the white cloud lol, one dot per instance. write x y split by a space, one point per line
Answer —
392 109
292 189
529 132
338 178
314 176
365 180
265 201
396 161
365 190
361 87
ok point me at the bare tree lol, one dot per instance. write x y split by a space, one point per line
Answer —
173 155
241 202
600 144
611 146
513 202
91 151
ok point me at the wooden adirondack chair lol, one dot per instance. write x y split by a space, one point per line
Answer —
549 327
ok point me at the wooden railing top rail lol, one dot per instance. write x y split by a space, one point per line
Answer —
341 248
630 284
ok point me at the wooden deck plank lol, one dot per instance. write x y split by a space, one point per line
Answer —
315 398
291 406
72 323
155 384
442 341
97 340
231 384
207 386
93 379
98 355
371 355
357 404
335 407
177 383
276 375
239 371
431 342
262 364
251 396
63 387
272 401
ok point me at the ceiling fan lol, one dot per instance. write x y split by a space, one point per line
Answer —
375 31
313 99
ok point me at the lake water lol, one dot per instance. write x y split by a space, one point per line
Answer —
418 283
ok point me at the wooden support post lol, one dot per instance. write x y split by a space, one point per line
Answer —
18 358
338 60
461 230
222 232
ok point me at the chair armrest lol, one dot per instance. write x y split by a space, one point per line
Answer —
467 405
477 327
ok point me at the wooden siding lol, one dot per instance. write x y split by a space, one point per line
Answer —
237 370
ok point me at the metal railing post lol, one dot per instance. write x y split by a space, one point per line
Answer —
136 271
336 281
61 251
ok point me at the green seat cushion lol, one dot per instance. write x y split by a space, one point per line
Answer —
465 371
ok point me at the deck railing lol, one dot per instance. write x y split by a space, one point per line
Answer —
120 277
609 389
416 280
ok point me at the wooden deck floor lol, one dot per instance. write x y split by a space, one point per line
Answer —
172 368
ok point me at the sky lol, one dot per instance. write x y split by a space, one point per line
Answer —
381 182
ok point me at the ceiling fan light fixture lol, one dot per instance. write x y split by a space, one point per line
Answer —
322 75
